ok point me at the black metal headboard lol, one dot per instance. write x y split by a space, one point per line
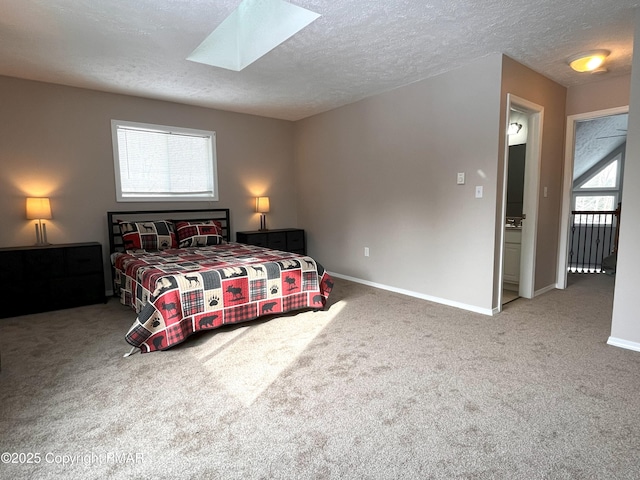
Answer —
113 218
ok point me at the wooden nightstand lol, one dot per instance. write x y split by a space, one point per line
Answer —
286 239
51 277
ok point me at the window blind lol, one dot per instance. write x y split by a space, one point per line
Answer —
155 163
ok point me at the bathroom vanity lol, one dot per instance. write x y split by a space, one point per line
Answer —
512 242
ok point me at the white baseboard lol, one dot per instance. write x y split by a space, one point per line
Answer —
443 301
619 342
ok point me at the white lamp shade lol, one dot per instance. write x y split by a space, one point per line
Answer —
38 208
262 204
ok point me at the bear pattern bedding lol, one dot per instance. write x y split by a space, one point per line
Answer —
177 292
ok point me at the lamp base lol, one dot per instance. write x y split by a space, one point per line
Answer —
41 235
263 222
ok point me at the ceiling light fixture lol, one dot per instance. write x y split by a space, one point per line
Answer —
252 30
588 61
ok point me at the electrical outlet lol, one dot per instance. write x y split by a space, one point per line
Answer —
460 179
366 251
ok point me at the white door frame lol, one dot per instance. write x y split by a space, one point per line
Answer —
533 157
567 186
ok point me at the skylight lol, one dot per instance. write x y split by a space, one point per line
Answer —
253 29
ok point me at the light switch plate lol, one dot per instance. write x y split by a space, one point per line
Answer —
479 191
460 180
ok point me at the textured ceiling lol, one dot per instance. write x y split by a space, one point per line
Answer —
356 49
595 139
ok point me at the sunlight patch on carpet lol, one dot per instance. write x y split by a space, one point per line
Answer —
247 360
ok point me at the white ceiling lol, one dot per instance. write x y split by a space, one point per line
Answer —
358 48
595 139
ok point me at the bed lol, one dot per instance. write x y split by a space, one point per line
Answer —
182 274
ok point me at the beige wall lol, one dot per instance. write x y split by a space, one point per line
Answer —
381 173
56 141
625 327
530 85
384 169
608 92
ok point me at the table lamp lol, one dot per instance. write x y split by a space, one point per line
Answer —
39 209
262 207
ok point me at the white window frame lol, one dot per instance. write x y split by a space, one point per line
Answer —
614 192
594 219
211 195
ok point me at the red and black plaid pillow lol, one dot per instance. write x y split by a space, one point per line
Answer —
149 236
199 234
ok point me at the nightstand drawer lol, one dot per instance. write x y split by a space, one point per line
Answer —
77 291
11 266
284 239
277 241
84 260
258 239
295 240
44 263
49 277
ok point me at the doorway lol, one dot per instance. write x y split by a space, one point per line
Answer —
515 207
568 181
527 222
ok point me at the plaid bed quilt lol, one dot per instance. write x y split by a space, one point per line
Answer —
181 291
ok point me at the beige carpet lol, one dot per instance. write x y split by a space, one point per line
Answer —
378 386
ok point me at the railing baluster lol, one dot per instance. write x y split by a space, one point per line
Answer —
573 233
610 243
593 230
581 233
599 244
585 259
594 244
593 238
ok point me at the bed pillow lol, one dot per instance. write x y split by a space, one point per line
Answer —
151 235
199 234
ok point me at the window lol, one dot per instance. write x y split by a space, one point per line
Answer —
594 203
605 178
598 193
160 163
